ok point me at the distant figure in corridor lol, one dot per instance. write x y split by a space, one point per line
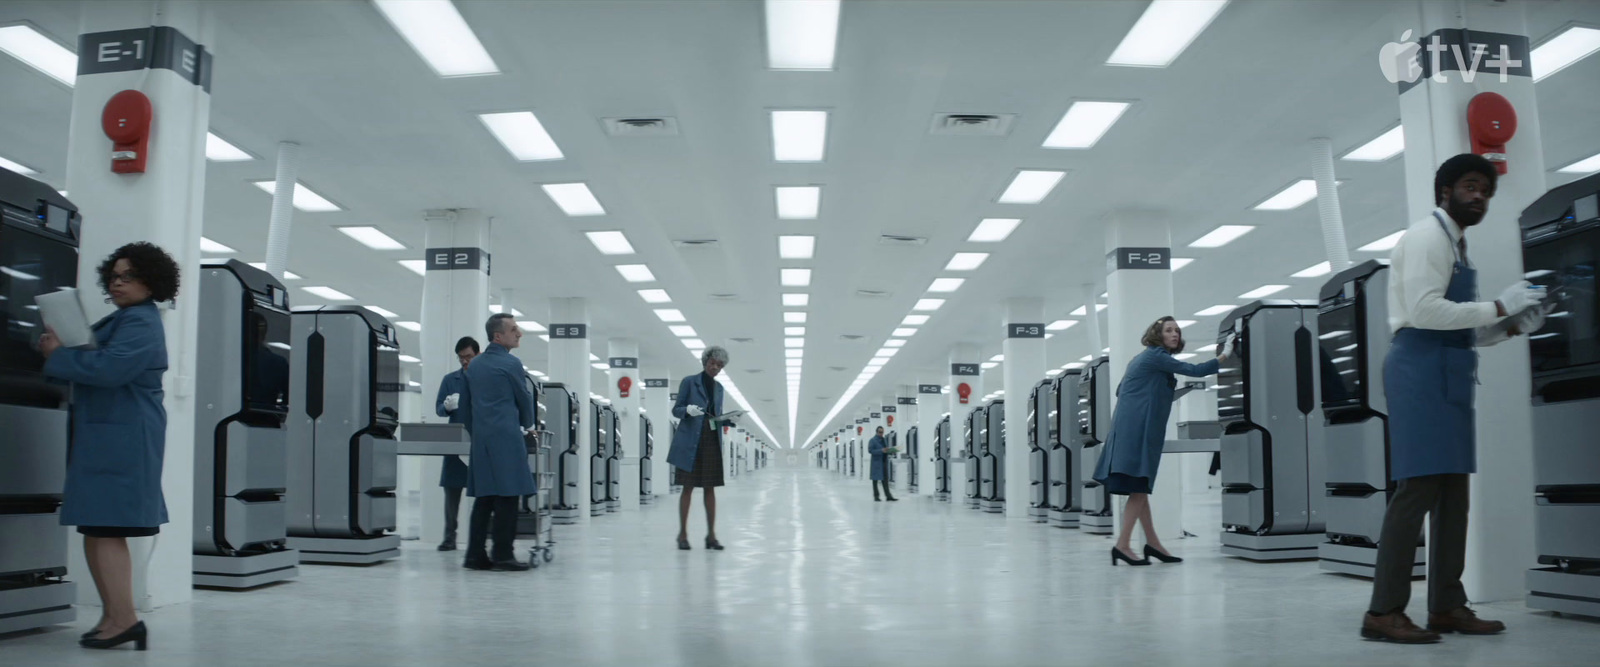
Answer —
497 407
696 449
1139 432
453 475
880 466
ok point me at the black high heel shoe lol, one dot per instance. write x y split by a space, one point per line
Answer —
683 544
713 544
1116 555
1152 553
90 634
136 634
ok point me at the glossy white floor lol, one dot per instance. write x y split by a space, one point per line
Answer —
815 573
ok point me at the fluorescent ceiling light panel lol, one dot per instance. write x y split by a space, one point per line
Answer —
895 342
410 359
436 31
531 326
287 274
636 273
1184 324
218 150
1061 325
798 202
39 52
928 304
610 243
1263 291
966 261
417 266
904 332
946 284
796 300
574 199
1584 166
793 363
655 296
796 247
794 317
1084 123
877 361
1031 187
1292 197
1180 262
522 135
382 311
914 320
794 331
986 366
670 315
599 367
794 342
794 277
1166 28
1384 244
496 309
1315 271
998 358
993 230
1083 311
802 34
328 293
1385 146
1215 310
1575 44
304 198
409 325
682 330
372 237
694 343
799 136
208 245
794 354
1221 236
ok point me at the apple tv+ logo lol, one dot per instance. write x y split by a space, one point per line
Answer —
1466 51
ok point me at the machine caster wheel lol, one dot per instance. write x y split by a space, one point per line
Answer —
549 555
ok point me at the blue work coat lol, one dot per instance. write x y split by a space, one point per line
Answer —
1144 402
880 460
686 437
119 426
496 405
454 473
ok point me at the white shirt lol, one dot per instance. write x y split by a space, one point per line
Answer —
1421 266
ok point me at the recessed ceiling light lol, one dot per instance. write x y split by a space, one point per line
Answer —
610 243
794 317
304 198
496 309
682 330
655 296
796 247
1584 166
521 133
574 199
530 325
636 273
208 245
416 266
986 366
1384 244
895 342
794 342
545 338
1292 197
39 52
799 136
798 202
1556 53
1082 311
993 230
328 293
382 311
796 300
1180 262
1221 236
1031 186
287 274
1166 28
802 35
946 284
914 320
1263 291
928 304
218 150
593 357
998 358
794 277
904 332
670 315
409 325
877 361
794 331
794 354
372 237
1315 270
1184 324
966 261
1084 123
436 31
1215 310
793 363
16 166
409 359
1060 325
1385 146
600 367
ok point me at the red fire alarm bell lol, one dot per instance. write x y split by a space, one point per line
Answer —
891 420
623 385
858 430
126 121
964 391
1491 121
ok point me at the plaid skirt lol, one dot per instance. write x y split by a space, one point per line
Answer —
707 462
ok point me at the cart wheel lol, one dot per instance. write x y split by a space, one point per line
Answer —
533 563
549 555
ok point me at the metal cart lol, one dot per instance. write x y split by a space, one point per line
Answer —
538 504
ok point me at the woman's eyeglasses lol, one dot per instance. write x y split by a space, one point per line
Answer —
127 277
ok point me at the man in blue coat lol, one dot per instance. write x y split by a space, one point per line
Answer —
453 476
497 407
880 466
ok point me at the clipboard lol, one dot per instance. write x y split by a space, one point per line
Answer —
64 314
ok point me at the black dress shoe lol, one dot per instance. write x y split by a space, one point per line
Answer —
1152 553
447 546
877 499
683 544
136 634
1116 555
477 564
713 544
509 565
90 634
893 499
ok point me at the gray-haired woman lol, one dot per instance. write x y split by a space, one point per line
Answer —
697 443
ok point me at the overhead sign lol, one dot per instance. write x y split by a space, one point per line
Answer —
1025 330
963 369
930 389
456 259
906 400
624 362
655 383
888 409
569 331
877 415
1139 258
155 47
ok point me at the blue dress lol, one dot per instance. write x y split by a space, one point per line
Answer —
1139 426
498 405
454 473
880 460
119 426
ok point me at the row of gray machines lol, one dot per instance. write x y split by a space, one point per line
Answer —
1303 423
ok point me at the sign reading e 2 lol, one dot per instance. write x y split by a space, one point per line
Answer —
457 259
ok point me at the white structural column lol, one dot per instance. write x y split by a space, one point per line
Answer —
965 369
161 206
930 407
1500 543
657 405
623 359
1024 367
569 365
1140 292
455 294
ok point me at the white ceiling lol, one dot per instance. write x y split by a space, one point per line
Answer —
1227 125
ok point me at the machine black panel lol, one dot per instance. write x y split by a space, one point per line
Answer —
31 264
386 385
1565 265
1231 377
1339 354
266 358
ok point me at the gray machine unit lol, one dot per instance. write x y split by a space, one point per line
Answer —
1094 425
240 455
614 462
970 433
1353 318
603 421
1065 451
941 459
344 407
647 452
1038 453
913 451
39 252
568 500
993 468
1272 441
855 444
1560 250
890 439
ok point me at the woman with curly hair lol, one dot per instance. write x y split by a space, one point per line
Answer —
119 428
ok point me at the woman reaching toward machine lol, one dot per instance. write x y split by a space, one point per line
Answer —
1139 431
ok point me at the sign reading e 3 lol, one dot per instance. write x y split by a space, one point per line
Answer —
569 331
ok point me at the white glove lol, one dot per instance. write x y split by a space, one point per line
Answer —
1521 296
1228 347
452 402
1530 320
694 410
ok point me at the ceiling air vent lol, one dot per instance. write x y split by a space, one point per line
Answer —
724 296
902 241
742 341
873 293
696 243
972 124
851 337
641 126
839 369
752 370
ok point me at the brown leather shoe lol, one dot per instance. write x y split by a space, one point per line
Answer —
1395 627
1464 621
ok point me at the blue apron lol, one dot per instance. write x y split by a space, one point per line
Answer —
1429 378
